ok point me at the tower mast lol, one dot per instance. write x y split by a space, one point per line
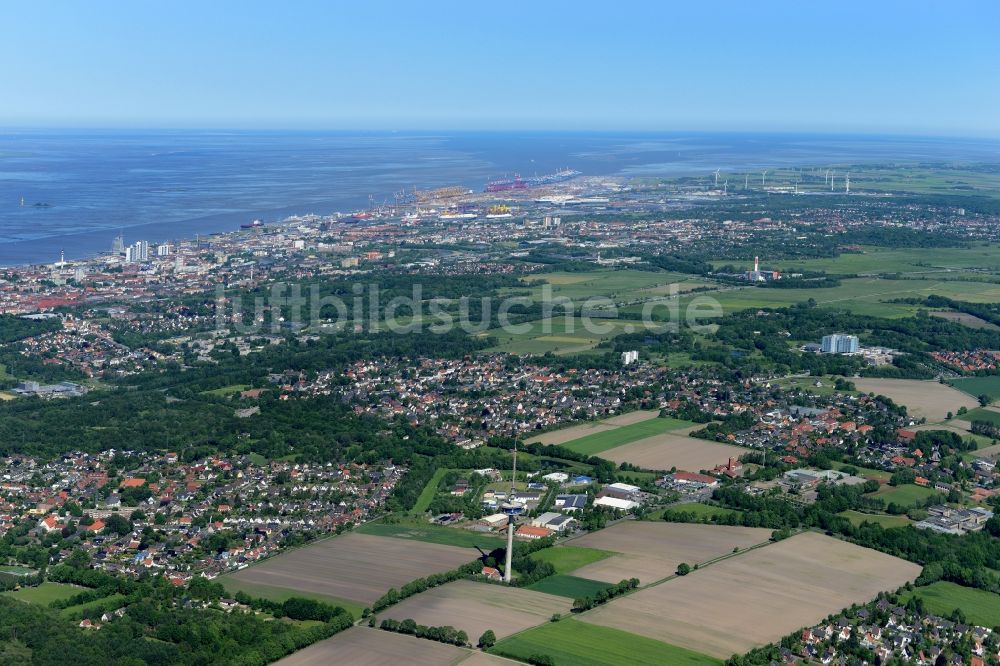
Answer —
512 509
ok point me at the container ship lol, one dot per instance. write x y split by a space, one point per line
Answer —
518 183
252 225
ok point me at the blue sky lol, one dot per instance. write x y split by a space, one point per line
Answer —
836 66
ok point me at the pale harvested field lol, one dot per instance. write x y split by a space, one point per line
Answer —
651 551
374 647
358 567
757 597
476 607
673 450
922 398
956 426
632 417
575 432
571 433
989 451
477 658
971 321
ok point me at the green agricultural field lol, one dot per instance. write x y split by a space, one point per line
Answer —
429 492
809 384
885 520
620 286
226 391
559 335
980 607
17 571
80 610
908 495
864 296
919 261
570 558
446 536
602 441
571 587
702 510
977 386
982 414
573 643
880 475
45 593
280 594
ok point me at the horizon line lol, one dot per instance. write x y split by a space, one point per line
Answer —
494 130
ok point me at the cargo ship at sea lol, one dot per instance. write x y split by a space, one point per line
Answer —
252 225
519 183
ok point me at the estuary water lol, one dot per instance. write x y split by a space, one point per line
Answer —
81 188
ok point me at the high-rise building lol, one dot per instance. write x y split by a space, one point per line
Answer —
118 244
137 252
630 357
839 343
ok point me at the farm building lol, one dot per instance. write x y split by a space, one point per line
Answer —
532 532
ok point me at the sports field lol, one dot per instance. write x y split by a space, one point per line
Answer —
45 593
756 597
374 647
602 441
356 567
570 642
907 495
674 449
476 607
651 551
980 607
922 398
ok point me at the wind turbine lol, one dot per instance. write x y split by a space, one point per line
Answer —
847 183
762 174
725 187
832 178
717 177
826 181
513 510
746 181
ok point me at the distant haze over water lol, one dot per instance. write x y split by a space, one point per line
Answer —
167 185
